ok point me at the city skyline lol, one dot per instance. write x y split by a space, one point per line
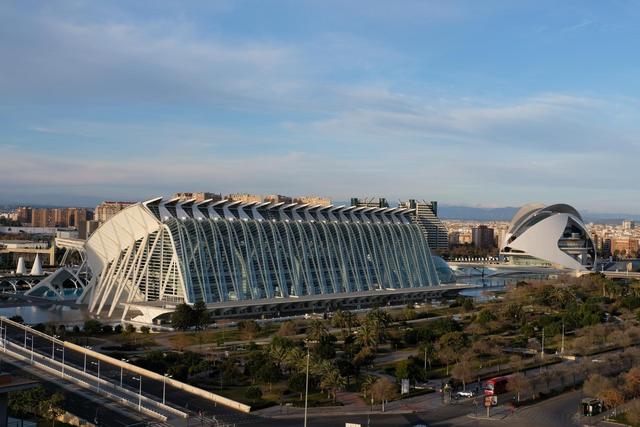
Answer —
461 101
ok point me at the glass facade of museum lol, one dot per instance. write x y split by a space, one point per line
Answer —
219 252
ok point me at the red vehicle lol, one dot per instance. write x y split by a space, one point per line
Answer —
495 386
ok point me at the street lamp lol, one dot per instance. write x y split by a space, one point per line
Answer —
85 358
139 379
62 350
164 387
306 386
31 339
53 347
98 364
3 335
121 370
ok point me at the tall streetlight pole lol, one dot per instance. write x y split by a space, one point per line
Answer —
31 339
164 387
306 386
139 379
85 358
98 364
121 370
306 390
562 345
62 350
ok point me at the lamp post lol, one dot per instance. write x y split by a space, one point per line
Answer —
97 364
85 358
121 370
31 339
139 379
61 349
164 387
3 335
306 386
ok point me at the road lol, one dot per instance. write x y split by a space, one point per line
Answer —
151 388
78 403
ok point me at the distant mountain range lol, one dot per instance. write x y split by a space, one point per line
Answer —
506 213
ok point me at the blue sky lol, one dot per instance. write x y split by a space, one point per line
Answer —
488 103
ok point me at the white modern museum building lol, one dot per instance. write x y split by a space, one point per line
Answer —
553 236
250 259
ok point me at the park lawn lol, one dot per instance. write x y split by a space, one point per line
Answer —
218 336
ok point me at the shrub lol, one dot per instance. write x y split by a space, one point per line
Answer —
253 393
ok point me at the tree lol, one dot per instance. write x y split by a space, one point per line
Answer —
344 320
367 336
611 397
249 329
316 330
325 348
595 384
145 329
366 385
287 329
464 369
17 318
333 382
182 318
383 390
201 318
485 316
36 402
428 352
253 393
297 382
520 385
295 359
92 327
633 412
449 347
632 381
229 371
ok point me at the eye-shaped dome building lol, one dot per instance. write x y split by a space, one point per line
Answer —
552 235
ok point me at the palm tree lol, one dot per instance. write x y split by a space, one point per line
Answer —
368 336
333 382
295 359
366 385
316 330
278 348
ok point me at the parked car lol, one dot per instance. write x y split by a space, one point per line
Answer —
463 394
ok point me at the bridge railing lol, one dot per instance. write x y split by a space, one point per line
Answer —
230 403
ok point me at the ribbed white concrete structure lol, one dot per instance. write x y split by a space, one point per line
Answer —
155 254
552 235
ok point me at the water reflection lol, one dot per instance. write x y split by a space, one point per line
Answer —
48 313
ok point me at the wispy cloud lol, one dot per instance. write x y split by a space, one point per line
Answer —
582 24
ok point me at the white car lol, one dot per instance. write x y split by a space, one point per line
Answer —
465 394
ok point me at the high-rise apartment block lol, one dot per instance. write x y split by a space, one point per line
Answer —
244 197
312 200
23 215
426 216
59 217
482 237
628 224
108 209
278 198
198 196
369 203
